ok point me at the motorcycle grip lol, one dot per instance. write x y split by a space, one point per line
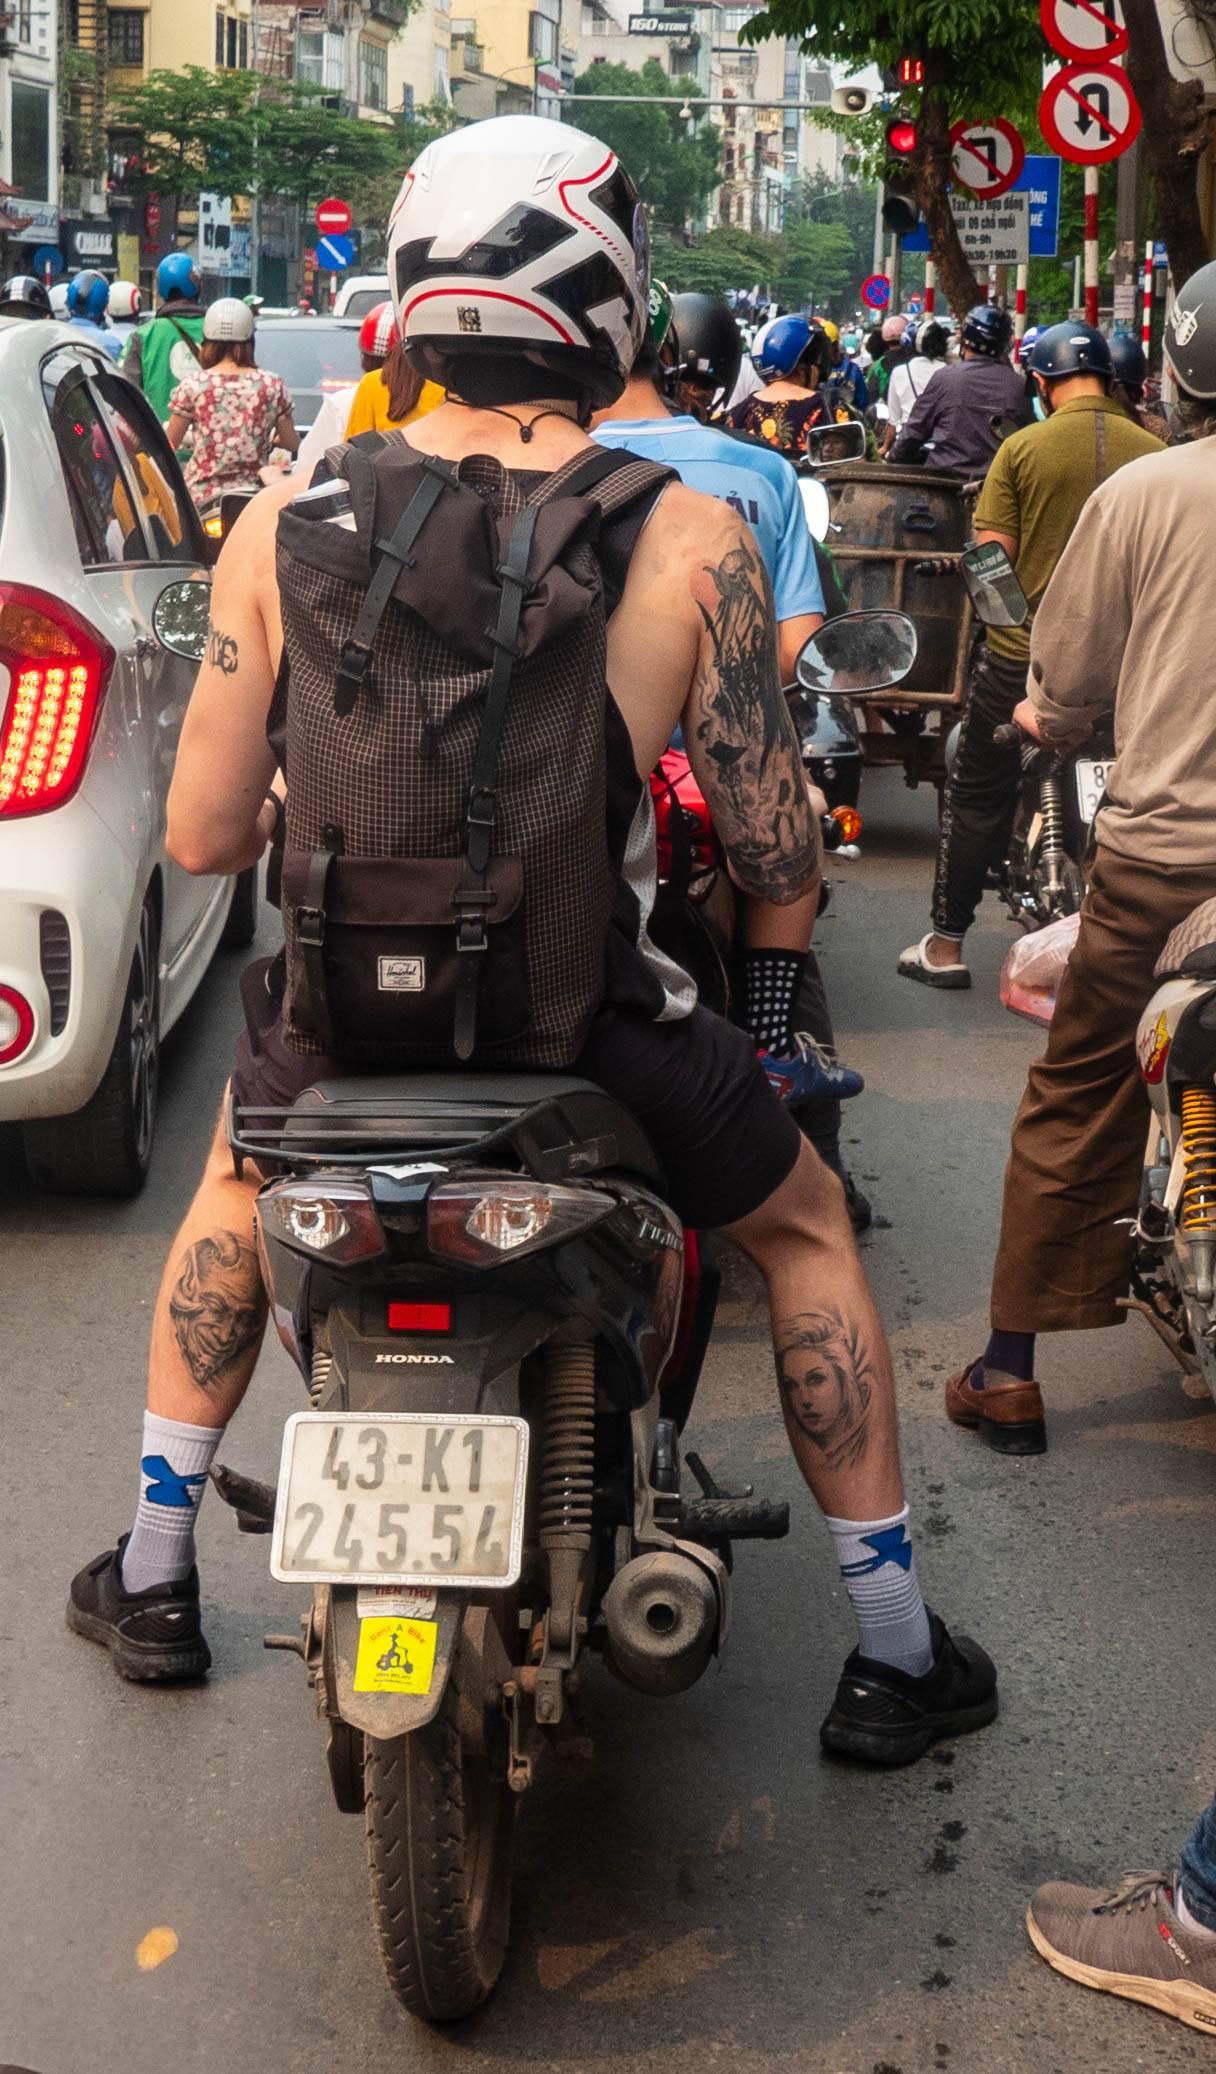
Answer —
1008 735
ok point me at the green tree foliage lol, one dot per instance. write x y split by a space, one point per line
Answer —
201 131
674 166
811 263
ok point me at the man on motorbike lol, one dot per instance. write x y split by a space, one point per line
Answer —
1130 369
762 487
702 354
692 642
956 424
1033 497
909 381
88 301
159 355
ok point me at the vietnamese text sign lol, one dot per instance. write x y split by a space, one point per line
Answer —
994 233
1039 181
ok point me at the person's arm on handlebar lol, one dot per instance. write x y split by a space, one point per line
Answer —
1080 632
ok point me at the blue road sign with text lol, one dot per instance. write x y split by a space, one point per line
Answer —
1040 179
335 253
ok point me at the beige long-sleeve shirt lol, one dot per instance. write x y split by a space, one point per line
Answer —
1129 620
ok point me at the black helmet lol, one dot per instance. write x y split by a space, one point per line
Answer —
24 296
932 339
1190 333
1128 364
988 330
706 341
1068 349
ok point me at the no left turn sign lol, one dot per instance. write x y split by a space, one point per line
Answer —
1085 30
988 156
1089 113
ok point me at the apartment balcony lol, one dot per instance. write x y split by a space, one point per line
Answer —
394 12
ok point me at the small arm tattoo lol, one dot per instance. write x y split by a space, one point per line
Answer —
217 1306
222 652
827 1384
759 804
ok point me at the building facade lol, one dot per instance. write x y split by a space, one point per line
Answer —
29 129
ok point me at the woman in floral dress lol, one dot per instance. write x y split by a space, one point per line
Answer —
794 358
233 413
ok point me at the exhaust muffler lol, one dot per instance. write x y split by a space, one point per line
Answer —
661 1612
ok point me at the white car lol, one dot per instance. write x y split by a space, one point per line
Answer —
361 293
103 939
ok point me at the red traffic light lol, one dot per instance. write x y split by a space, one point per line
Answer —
901 137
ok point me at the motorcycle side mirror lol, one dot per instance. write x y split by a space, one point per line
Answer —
992 586
181 618
859 651
815 505
828 443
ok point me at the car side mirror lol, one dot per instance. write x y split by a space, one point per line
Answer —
181 618
993 587
859 651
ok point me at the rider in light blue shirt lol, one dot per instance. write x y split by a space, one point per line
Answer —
88 296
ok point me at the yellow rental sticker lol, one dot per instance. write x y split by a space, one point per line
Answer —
396 1655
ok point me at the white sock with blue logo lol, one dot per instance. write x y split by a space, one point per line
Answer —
879 1572
173 1469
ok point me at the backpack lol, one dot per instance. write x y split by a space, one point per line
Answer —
447 889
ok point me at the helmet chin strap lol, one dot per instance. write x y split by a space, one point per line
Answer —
569 411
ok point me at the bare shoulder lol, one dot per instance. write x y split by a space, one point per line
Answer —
689 536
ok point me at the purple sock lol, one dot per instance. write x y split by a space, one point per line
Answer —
1010 1352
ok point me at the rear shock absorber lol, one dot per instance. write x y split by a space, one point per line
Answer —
567 1478
1197 1208
1051 806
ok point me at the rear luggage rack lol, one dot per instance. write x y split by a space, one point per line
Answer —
564 1130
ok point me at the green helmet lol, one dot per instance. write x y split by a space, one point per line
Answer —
658 317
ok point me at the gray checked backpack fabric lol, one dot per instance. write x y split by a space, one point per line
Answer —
440 717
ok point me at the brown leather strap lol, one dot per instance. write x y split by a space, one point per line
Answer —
309 919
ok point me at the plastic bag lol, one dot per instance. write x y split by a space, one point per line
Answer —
1031 974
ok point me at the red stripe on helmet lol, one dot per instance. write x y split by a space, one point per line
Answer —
584 180
492 295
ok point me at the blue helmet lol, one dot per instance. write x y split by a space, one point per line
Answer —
88 296
988 330
1128 364
784 345
178 275
1026 344
1071 348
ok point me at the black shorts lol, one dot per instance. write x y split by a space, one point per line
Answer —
725 1141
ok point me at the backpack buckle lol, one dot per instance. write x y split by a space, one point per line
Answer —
482 807
353 664
310 926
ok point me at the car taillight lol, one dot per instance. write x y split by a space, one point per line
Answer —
484 1220
58 669
16 1025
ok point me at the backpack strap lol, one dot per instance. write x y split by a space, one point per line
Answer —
310 941
391 556
473 898
182 333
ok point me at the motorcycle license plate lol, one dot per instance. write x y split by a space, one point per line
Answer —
400 1498
1091 785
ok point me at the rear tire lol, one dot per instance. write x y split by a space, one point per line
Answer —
440 1829
106 1147
242 924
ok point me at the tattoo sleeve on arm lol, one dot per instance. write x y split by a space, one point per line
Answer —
222 652
742 726
827 1384
217 1306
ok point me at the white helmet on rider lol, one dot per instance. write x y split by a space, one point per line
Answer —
59 300
521 239
125 301
228 321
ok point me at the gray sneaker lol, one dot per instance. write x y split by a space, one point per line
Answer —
1129 1943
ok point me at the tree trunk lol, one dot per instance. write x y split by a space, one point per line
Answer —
934 171
1175 133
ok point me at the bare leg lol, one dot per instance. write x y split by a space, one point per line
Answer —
833 1362
211 1310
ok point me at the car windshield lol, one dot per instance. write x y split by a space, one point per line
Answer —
313 357
364 299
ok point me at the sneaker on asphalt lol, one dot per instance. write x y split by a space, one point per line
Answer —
154 1636
883 1716
811 1073
914 964
1130 1943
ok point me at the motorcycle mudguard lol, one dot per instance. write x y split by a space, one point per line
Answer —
383 1715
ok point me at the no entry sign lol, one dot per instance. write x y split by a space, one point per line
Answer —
1089 113
333 217
988 156
876 291
1084 30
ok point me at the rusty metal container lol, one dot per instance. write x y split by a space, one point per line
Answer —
891 520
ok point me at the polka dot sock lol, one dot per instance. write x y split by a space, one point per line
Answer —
772 980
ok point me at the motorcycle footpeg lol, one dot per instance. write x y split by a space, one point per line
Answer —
734 1519
252 1502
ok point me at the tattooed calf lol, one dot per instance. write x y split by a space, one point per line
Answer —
827 1384
217 1306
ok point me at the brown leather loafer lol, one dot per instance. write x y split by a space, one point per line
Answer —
1007 1414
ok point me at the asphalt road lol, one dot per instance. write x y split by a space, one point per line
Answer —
713 1892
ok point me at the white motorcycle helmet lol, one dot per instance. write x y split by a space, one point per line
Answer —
228 320
125 302
521 236
59 300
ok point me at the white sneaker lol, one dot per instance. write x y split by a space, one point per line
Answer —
914 964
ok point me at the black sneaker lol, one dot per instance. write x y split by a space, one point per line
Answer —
883 1716
154 1636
